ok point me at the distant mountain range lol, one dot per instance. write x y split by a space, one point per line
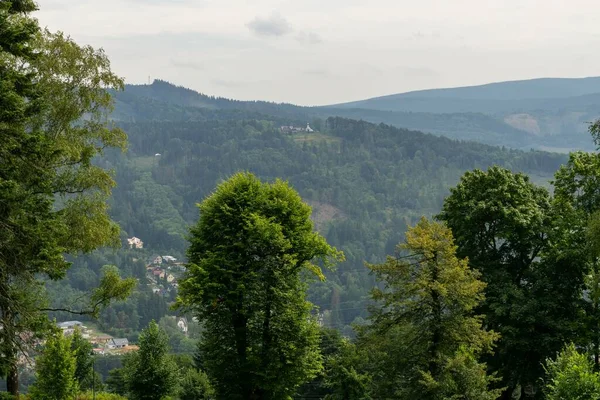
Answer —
550 113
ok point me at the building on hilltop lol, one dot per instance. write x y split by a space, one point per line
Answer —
135 243
295 129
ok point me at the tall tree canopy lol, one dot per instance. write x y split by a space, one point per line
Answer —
53 121
427 306
517 236
247 256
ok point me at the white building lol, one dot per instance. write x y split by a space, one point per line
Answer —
308 128
135 243
182 325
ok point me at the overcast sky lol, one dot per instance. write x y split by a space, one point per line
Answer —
314 52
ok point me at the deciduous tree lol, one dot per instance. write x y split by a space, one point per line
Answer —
520 239
248 254
55 370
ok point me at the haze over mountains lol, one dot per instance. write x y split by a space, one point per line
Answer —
549 114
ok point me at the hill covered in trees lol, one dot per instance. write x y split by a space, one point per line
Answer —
365 182
520 115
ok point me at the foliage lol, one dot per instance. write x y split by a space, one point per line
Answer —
54 198
115 382
571 376
150 373
342 377
99 396
521 241
55 370
462 377
248 249
82 350
428 300
366 183
195 385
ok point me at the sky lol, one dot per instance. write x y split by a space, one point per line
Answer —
317 52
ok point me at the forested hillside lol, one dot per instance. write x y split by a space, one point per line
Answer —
509 118
366 184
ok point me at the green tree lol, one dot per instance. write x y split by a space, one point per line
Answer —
55 370
342 376
86 378
115 381
53 197
576 192
244 281
82 349
150 373
195 386
429 299
520 240
571 376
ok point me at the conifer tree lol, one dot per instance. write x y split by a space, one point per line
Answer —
150 373
428 303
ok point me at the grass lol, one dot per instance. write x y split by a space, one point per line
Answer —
314 137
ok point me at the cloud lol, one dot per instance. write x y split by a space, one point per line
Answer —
227 83
317 72
416 72
309 37
188 64
273 25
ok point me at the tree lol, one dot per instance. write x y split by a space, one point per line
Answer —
571 376
55 370
86 378
82 349
342 376
150 373
195 386
428 300
115 381
519 239
247 254
53 197
576 192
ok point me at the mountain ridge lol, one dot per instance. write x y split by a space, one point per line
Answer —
560 123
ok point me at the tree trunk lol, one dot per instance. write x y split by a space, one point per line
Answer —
240 328
12 379
436 338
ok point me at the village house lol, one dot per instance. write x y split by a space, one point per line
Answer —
157 260
169 259
101 340
135 243
117 343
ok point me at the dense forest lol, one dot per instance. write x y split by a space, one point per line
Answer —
231 250
366 184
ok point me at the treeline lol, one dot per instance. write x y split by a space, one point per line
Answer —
496 298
